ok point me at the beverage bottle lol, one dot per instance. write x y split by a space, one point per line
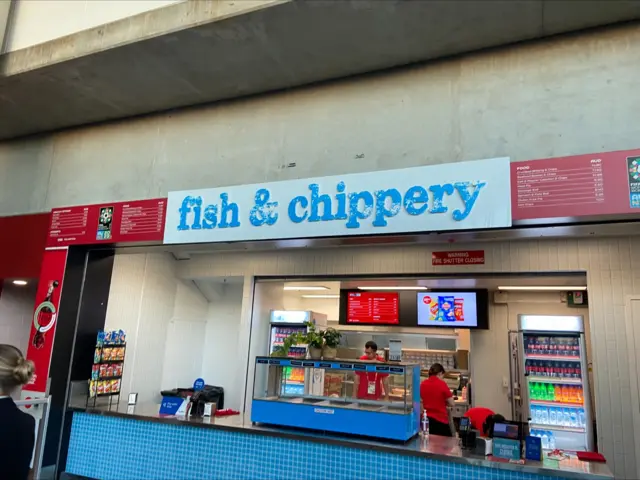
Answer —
549 367
576 347
425 423
552 441
545 416
527 345
582 422
551 395
553 350
565 370
574 417
527 368
553 416
579 396
545 441
539 415
564 347
566 417
564 396
578 370
557 393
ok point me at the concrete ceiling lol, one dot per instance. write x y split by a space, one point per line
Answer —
203 51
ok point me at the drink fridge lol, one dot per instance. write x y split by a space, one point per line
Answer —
550 381
287 322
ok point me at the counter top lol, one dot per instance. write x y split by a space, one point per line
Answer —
435 447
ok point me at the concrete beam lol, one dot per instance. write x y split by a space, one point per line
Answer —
204 51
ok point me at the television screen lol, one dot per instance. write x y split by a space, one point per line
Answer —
373 308
448 309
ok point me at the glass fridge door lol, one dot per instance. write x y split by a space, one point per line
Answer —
294 378
556 389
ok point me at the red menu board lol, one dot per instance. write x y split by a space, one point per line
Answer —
137 221
576 186
373 307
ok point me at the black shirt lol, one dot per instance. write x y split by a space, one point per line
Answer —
17 436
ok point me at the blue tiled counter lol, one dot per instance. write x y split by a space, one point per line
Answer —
120 447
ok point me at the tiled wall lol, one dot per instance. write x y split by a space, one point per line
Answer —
613 273
111 448
16 312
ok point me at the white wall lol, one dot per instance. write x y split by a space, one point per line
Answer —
16 313
569 95
489 348
329 306
185 341
221 344
141 302
613 273
39 21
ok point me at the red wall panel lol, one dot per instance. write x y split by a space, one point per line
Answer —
22 243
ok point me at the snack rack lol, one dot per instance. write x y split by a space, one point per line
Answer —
107 369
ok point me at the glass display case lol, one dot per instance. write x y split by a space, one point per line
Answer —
355 397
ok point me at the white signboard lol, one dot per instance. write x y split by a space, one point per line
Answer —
452 196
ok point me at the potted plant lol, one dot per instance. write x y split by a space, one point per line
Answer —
331 342
283 350
314 341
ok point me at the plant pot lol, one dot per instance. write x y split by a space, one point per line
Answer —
315 353
329 353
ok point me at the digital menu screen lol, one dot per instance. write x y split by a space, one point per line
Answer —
381 308
448 309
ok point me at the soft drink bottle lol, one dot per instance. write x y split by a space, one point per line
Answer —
553 416
551 396
564 394
581 418
553 350
579 396
545 416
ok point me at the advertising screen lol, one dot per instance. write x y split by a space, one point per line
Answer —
448 309
379 308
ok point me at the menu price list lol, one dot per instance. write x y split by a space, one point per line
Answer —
68 224
368 307
142 218
563 185
139 221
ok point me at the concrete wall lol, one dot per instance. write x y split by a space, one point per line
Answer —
38 21
563 96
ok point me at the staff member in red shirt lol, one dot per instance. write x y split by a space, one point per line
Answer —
436 398
483 419
369 385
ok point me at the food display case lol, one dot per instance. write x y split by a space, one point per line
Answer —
330 403
550 387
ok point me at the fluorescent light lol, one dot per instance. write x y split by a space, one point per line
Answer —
320 296
554 288
304 289
392 288
22 283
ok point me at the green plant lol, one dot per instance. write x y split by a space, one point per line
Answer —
283 350
332 337
313 338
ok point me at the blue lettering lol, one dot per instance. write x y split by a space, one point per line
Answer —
210 217
341 197
315 201
439 191
355 213
226 209
469 199
187 204
264 211
382 211
293 204
416 195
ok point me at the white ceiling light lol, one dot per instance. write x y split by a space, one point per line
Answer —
304 289
554 288
393 288
320 296
22 283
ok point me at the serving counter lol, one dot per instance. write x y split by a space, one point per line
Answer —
121 445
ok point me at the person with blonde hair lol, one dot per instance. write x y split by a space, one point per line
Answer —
17 429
